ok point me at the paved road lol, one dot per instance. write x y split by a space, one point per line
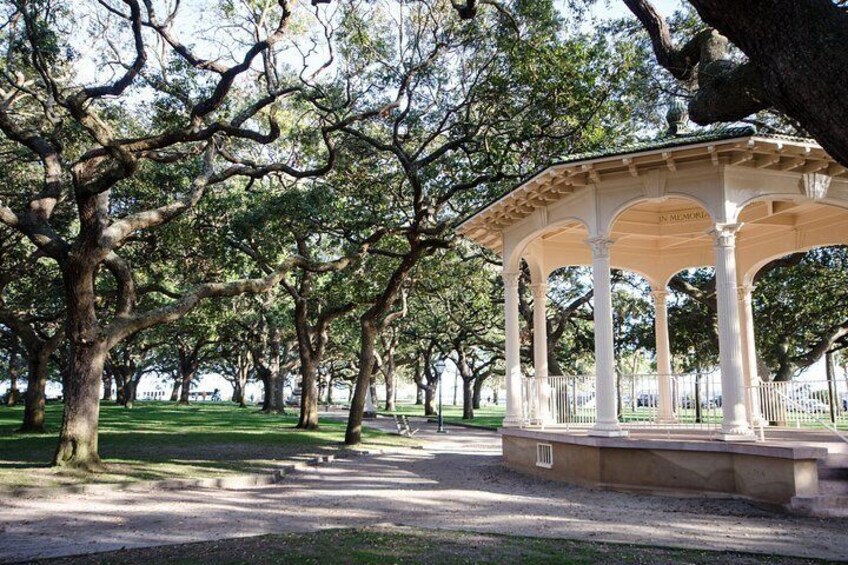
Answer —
456 482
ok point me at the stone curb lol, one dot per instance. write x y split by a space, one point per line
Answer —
464 425
237 481
431 420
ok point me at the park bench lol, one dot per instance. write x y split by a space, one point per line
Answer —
403 427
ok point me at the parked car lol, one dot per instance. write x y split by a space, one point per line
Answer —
705 403
811 406
647 399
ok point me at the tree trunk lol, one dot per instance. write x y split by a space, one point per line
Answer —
330 391
367 341
107 386
267 389
273 393
36 392
175 390
389 374
238 393
78 436
88 347
830 374
187 377
478 392
373 386
132 388
278 389
468 399
240 383
309 393
418 379
430 399
14 373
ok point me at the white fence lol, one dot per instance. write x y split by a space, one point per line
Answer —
695 402
560 401
802 403
570 401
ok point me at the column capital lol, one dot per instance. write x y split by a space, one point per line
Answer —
660 297
745 291
510 279
724 235
539 288
600 246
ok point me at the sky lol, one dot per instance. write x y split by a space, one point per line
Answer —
617 9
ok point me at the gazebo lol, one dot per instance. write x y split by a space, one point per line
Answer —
730 198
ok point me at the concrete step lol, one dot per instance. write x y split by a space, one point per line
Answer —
832 488
826 472
822 506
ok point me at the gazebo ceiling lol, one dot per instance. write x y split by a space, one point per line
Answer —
671 222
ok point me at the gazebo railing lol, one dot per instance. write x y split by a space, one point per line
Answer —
694 401
559 400
569 401
564 401
803 403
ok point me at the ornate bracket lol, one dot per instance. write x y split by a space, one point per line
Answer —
815 185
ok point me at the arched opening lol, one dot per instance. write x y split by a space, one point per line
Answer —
657 238
562 243
800 314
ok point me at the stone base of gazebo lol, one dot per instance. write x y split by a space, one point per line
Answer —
655 461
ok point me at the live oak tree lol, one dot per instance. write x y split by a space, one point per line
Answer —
12 359
206 121
31 309
792 51
273 349
232 359
460 120
570 339
314 221
456 309
128 362
799 313
800 310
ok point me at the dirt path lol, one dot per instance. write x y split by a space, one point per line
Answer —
456 482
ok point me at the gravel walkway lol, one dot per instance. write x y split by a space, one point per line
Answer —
456 482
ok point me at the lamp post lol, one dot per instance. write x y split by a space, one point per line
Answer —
440 368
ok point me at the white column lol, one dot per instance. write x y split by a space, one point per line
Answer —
607 423
540 349
513 416
749 354
666 405
735 425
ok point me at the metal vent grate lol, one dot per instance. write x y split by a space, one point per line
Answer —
544 455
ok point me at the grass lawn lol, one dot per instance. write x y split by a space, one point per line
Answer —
412 545
159 440
488 416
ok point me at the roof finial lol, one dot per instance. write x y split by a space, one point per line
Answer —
677 117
